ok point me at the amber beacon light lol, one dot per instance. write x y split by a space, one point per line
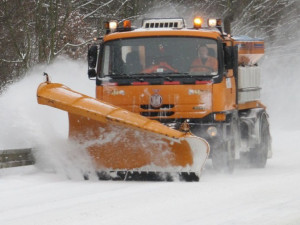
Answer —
197 22
127 24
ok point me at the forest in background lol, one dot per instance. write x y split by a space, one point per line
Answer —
37 31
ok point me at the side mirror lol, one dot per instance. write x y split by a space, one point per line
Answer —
230 57
92 73
92 61
92 56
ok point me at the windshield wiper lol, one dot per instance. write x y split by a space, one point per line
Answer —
151 75
125 75
120 75
168 76
179 74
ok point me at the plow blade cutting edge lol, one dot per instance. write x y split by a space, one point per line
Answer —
123 144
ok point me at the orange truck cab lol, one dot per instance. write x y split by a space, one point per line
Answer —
199 80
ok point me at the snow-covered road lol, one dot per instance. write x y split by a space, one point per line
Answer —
249 196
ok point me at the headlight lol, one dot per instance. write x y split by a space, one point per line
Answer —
212 131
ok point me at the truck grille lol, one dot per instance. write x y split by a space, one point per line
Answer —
157 114
162 107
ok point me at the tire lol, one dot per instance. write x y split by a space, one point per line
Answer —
223 154
223 157
258 155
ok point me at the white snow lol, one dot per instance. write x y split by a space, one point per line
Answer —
53 192
249 196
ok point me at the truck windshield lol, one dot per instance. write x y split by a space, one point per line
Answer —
160 55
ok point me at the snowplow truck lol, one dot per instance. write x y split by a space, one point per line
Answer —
163 92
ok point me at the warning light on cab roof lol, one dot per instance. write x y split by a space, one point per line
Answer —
198 22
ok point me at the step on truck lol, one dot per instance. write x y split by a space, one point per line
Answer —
168 96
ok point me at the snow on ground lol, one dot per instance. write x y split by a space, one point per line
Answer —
56 194
249 196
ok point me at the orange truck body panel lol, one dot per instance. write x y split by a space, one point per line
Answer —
183 101
183 97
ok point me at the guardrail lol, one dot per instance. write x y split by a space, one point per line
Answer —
16 157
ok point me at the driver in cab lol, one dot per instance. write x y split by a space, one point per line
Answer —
160 64
204 62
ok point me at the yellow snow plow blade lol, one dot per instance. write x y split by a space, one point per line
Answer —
119 140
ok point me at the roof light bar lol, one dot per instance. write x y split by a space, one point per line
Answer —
113 26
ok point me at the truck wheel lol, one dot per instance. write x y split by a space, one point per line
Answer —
223 156
258 155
